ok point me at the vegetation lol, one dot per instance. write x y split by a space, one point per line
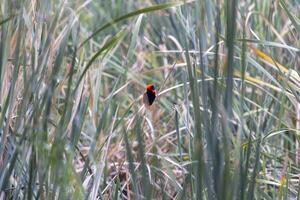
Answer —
225 123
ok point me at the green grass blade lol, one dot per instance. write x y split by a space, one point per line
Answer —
132 14
109 45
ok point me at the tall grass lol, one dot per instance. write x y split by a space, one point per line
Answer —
225 123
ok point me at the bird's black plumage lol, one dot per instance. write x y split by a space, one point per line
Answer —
150 96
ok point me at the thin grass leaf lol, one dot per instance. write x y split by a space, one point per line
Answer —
179 140
134 38
131 165
132 14
295 21
7 19
147 188
198 148
109 45
78 121
230 40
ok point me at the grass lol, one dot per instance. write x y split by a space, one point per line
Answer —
225 123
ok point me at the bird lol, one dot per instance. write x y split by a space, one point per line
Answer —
149 95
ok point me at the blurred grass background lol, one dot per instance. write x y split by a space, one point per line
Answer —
225 123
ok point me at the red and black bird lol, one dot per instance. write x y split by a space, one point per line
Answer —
149 95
